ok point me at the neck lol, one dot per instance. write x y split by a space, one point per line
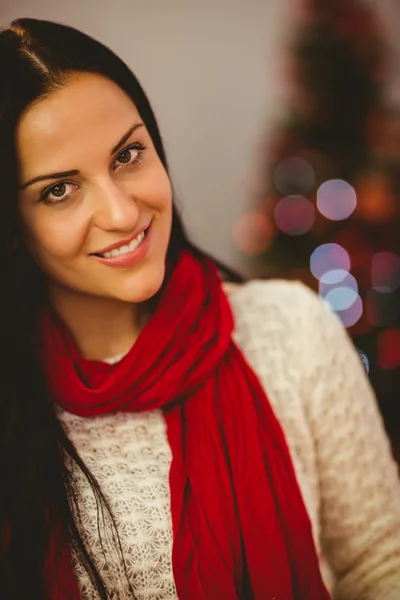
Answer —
101 328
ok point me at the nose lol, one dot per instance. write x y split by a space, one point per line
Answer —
114 207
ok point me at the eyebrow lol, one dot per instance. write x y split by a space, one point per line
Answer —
73 172
49 176
126 136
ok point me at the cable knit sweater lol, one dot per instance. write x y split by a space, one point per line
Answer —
322 397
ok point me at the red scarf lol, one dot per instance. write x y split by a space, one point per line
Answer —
239 523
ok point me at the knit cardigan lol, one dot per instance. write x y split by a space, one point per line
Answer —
320 392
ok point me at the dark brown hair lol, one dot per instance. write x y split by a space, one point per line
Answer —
38 462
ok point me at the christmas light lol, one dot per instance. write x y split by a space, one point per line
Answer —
339 289
336 199
389 349
341 298
328 257
333 277
294 215
385 272
351 315
364 359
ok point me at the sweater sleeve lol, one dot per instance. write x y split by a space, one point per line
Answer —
358 477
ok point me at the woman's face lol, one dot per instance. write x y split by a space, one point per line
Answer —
95 200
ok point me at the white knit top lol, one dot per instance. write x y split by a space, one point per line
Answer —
320 392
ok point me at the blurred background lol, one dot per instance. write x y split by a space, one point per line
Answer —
281 120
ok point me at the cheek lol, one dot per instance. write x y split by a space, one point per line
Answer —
159 192
55 238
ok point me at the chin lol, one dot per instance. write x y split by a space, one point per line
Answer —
143 287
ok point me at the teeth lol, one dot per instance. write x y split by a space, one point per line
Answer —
125 249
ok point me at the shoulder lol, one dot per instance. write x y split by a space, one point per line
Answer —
274 321
279 292
287 324
278 304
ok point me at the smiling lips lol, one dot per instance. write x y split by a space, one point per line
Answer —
127 254
133 244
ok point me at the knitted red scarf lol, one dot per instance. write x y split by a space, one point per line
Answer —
239 523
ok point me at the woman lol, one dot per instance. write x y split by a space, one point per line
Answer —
141 457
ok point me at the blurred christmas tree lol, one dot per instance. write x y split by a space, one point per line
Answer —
329 211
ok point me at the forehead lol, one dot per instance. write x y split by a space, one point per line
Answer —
90 112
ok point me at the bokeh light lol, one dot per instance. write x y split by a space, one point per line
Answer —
336 278
293 176
385 272
364 359
341 298
294 215
328 257
389 349
376 201
336 199
253 233
339 289
351 315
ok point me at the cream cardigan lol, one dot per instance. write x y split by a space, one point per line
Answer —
322 397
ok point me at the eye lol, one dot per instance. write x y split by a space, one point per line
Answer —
58 193
130 156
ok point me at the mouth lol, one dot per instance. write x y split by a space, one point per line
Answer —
125 247
129 253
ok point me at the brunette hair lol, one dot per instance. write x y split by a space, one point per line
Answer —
38 461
